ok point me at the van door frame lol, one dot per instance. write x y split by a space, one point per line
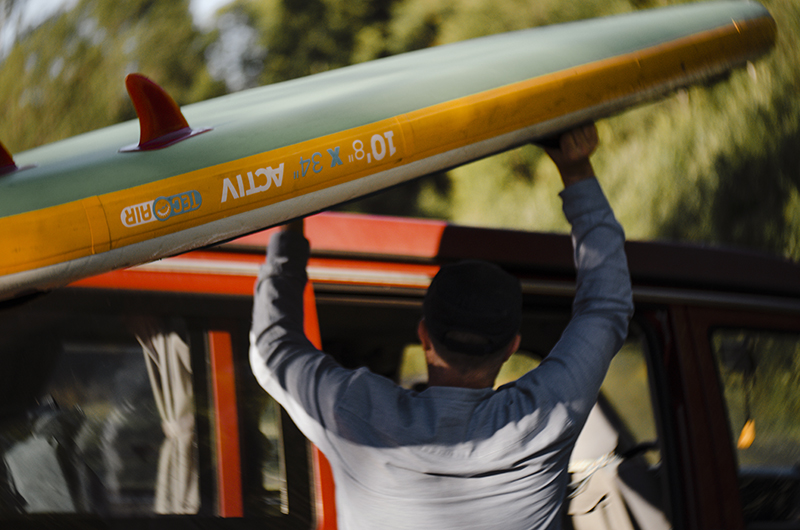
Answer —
707 457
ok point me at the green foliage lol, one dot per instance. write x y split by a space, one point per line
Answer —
714 165
305 37
717 165
66 76
764 389
421 23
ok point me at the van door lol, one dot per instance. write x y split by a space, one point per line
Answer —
755 360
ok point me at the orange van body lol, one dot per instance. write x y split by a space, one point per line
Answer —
708 324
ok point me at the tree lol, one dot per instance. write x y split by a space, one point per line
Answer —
715 165
66 76
719 165
303 37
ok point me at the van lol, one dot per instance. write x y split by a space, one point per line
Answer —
128 400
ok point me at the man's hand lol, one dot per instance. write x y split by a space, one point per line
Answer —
572 157
297 226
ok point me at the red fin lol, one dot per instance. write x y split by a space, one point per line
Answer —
7 164
160 119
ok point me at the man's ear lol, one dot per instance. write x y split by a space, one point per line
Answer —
422 333
513 347
431 357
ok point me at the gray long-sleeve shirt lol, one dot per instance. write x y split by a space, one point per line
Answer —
449 457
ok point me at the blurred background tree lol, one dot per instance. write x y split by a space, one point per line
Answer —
712 165
65 76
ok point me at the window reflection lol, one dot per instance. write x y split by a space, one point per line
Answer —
760 374
101 423
616 468
273 473
267 492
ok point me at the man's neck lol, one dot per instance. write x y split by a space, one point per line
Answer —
446 376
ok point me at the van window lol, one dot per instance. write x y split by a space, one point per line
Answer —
275 456
618 476
625 402
617 473
760 374
101 417
626 388
266 490
109 410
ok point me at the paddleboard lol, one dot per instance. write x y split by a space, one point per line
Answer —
239 163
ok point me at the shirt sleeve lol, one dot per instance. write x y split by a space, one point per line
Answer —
574 370
305 381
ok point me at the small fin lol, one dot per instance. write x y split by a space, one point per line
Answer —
160 119
7 164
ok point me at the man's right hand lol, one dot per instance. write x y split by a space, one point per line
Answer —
572 156
297 226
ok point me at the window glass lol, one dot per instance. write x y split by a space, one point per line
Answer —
273 474
625 393
102 416
760 374
515 367
107 408
275 458
276 474
414 371
627 390
616 468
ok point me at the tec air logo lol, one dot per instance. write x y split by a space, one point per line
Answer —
161 209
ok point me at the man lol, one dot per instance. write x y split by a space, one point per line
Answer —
458 454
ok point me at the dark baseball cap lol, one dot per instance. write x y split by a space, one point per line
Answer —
473 298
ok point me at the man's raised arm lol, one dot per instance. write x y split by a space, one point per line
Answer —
603 303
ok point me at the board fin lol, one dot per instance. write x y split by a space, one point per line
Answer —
7 164
161 121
